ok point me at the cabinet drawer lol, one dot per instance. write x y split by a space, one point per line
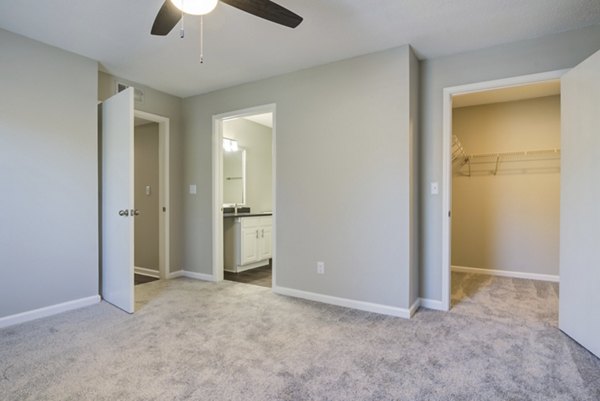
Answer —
266 221
250 222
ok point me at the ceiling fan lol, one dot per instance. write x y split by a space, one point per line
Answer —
172 11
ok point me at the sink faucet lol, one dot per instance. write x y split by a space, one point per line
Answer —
235 208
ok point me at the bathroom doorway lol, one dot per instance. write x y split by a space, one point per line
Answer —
244 196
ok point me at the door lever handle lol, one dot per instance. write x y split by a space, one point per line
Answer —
135 212
124 212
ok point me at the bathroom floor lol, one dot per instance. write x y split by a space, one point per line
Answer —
260 276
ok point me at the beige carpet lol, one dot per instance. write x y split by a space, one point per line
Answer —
192 340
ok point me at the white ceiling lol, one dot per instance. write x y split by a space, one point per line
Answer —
241 48
513 93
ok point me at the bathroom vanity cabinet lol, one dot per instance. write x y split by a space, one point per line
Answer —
247 241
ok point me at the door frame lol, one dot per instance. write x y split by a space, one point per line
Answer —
217 184
164 247
446 187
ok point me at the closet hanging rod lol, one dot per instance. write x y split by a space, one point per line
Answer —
492 163
538 152
492 159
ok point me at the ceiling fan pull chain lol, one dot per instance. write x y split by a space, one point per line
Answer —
182 30
201 39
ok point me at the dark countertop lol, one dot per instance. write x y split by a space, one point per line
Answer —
251 214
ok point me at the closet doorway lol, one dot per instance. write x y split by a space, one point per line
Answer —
244 196
502 192
151 196
118 207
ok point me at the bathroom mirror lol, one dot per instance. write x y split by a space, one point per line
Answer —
234 176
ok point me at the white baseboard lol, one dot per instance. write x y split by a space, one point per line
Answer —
147 272
414 308
431 304
48 311
507 273
198 276
348 303
193 275
178 273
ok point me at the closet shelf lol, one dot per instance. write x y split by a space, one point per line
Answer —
519 162
458 152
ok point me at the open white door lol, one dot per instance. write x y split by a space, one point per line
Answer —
579 312
117 201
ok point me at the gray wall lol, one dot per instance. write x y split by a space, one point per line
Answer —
257 140
48 175
548 53
343 166
165 105
414 143
508 221
146 167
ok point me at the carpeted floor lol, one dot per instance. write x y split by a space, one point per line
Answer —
191 340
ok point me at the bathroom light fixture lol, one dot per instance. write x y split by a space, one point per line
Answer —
230 145
195 7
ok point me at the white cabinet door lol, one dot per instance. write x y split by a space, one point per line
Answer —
579 299
255 240
249 246
264 243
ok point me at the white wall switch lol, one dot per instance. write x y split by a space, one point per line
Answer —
193 189
148 190
321 267
435 188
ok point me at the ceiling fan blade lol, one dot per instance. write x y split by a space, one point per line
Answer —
168 16
268 10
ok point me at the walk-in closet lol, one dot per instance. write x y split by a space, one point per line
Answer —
506 195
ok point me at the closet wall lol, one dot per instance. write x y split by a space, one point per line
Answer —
146 167
508 221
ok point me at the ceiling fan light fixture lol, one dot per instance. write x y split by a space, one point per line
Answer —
195 7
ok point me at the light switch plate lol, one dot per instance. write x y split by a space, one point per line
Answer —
435 188
193 189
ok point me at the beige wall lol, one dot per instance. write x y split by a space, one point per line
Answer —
256 139
508 221
146 172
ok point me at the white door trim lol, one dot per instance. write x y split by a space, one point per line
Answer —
217 183
448 93
164 249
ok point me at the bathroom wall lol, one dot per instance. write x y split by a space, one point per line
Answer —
256 139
